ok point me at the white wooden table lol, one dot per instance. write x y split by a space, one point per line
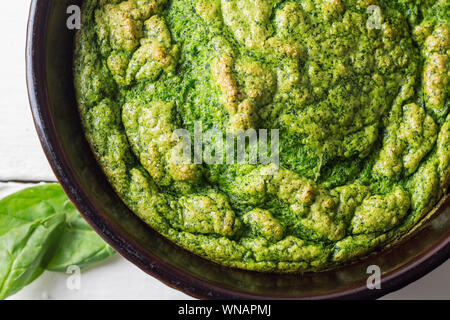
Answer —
22 163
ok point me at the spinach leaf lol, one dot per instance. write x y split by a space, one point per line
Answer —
79 245
24 250
41 229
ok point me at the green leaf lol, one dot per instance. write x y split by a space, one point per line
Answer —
32 204
41 229
24 250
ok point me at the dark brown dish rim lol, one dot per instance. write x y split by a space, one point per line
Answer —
50 88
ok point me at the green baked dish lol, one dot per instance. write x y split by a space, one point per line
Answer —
361 106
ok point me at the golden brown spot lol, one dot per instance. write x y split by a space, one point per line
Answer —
222 73
422 31
436 80
283 47
332 8
308 194
208 9
389 31
328 203
439 41
367 3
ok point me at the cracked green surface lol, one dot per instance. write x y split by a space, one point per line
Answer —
362 114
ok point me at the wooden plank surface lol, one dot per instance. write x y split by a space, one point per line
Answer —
21 156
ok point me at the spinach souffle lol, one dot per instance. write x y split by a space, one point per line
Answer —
357 89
